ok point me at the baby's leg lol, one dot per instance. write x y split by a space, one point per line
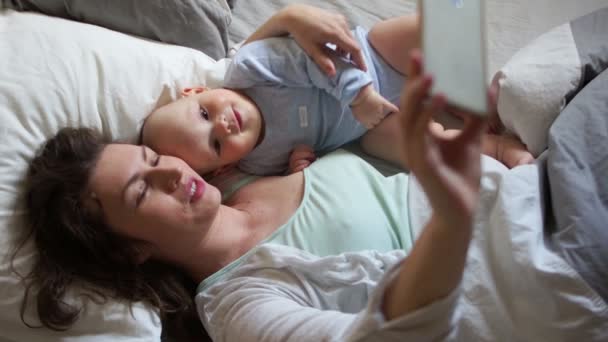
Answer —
384 141
507 149
394 38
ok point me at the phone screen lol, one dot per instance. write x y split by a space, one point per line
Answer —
453 42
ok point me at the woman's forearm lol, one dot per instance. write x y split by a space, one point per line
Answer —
273 27
431 271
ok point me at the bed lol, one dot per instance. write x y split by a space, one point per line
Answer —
56 72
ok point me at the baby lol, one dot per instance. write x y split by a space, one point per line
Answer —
278 110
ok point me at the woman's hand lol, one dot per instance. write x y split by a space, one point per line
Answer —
448 169
312 28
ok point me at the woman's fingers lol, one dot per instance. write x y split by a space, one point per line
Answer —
346 44
412 103
473 129
321 56
475 125
437 104
352 47
414 66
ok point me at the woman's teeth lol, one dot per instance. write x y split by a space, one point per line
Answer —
193 189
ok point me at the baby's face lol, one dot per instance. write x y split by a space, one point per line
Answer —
207 130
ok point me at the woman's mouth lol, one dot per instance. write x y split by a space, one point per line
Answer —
196 190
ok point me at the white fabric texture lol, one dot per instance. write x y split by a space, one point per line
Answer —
54 73
281 293
514 288
534 83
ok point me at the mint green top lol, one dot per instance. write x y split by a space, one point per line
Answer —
347 206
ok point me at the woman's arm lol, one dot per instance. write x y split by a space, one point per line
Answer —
313 28
264 300
449 171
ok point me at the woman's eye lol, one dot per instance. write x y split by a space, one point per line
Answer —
141 195
204 114
217 146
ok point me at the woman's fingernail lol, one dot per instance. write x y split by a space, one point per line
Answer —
428 79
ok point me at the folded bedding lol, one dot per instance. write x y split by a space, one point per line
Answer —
576 170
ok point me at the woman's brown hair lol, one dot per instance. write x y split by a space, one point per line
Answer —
76 247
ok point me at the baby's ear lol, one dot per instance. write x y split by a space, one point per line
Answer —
222 170
193 91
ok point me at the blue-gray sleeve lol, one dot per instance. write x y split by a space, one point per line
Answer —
281 62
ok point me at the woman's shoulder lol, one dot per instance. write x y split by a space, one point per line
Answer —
267 187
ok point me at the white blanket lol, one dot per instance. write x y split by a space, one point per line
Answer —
514 288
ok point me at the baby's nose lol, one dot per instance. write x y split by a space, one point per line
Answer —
222 125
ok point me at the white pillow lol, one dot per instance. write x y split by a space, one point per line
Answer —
54 73
537 82
534 83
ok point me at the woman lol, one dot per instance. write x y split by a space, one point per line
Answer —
127 218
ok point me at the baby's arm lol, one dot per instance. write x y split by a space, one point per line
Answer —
281 62
301 157
369 107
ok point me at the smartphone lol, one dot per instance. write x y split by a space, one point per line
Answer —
454 48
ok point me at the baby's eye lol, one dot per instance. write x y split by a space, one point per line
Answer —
204 114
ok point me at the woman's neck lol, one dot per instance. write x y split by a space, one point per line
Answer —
252 214
227 239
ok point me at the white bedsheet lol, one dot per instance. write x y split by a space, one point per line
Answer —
514 288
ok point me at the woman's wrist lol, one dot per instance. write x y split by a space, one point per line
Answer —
275 26
283 19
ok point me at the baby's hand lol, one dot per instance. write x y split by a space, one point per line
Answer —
369 107
301 157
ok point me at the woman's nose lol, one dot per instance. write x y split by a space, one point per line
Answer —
222 126
166 178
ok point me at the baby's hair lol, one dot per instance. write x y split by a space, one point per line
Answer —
140 137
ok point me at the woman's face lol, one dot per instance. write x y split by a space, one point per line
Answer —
156 199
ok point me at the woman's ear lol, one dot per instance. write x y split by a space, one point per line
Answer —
193 91
143 251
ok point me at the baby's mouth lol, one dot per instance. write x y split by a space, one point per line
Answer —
239 120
